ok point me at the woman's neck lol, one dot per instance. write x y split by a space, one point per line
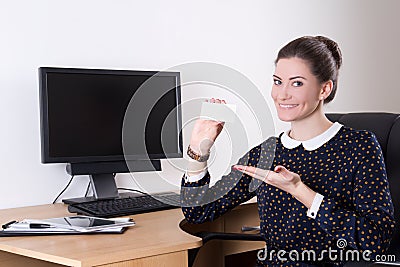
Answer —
310 127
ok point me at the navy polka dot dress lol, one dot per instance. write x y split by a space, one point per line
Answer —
348 170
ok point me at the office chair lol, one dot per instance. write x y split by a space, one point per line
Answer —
386 127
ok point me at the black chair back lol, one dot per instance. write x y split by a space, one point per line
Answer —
386 127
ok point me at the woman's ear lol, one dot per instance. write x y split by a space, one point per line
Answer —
326 90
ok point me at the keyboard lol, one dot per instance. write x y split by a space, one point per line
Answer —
107 208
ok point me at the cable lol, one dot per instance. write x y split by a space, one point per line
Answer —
136 183
87 189
65 188
134 190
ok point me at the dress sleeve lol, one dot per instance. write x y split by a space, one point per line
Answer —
369 224
201 203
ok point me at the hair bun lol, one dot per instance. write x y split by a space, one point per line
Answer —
333 47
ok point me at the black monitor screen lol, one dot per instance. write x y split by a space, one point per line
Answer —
83 114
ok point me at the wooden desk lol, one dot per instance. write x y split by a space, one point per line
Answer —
214 252
155 240
158 239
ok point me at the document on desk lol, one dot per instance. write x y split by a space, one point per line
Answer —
66 225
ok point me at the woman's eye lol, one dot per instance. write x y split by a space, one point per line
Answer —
277 82
297 83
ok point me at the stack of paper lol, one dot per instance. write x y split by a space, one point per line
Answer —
67 225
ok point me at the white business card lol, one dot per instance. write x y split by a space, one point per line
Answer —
218 112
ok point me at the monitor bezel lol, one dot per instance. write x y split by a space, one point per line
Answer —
44 122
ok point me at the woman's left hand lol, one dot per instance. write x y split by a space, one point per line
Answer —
281 177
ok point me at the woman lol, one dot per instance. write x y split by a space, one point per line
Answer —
327 183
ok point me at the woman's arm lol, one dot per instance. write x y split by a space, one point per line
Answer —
202 203
370 225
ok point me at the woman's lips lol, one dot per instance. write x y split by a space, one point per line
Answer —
288 106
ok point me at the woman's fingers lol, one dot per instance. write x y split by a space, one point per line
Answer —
281 177
255 175
267 176
286 174
253 171
216 100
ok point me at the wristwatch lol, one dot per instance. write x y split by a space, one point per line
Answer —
197 157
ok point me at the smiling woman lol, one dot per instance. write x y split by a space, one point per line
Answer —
306 77
296 92
327 183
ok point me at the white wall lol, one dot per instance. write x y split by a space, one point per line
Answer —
156 34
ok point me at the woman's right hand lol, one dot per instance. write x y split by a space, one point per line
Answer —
205 132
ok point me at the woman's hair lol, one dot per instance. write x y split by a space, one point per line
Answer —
322 55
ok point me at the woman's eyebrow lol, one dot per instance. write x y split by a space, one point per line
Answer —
291 78
296 77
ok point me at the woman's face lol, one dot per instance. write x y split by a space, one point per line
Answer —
296 91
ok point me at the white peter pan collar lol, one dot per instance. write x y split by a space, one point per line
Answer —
312 143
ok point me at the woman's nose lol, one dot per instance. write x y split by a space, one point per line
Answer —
283 93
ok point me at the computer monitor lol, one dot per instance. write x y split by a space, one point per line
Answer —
82 118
